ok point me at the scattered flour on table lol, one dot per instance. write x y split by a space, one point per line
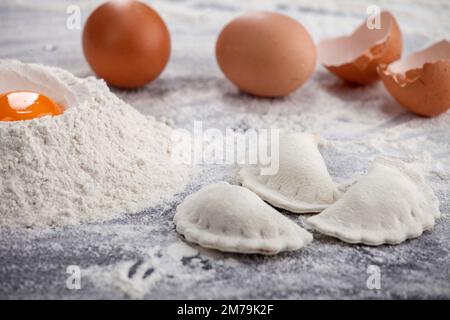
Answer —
156 267
101 158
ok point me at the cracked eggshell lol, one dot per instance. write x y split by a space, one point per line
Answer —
355 58
421 82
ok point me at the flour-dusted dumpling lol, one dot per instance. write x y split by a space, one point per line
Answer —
234 219
302 183
389 205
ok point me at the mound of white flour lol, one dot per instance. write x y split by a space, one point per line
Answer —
99 159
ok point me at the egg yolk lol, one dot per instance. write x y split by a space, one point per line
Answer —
26 105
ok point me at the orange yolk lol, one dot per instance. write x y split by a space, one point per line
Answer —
26 105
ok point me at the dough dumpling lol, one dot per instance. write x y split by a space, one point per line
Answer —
302 183
391 204
233 219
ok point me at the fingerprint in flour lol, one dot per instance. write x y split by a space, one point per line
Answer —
137 278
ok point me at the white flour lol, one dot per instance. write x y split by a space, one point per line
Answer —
99 159
356 124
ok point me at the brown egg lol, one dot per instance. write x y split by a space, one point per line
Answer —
421 82
355 58
126 43
266 54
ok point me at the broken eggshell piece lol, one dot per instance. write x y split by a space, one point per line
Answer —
355 58
233 219
302 183
421 82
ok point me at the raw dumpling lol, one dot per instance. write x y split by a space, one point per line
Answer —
233 219
302 183
389 205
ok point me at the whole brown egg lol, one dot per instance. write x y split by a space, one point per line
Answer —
266 54
126 43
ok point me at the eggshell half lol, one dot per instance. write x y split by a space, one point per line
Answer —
355 58
421 82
